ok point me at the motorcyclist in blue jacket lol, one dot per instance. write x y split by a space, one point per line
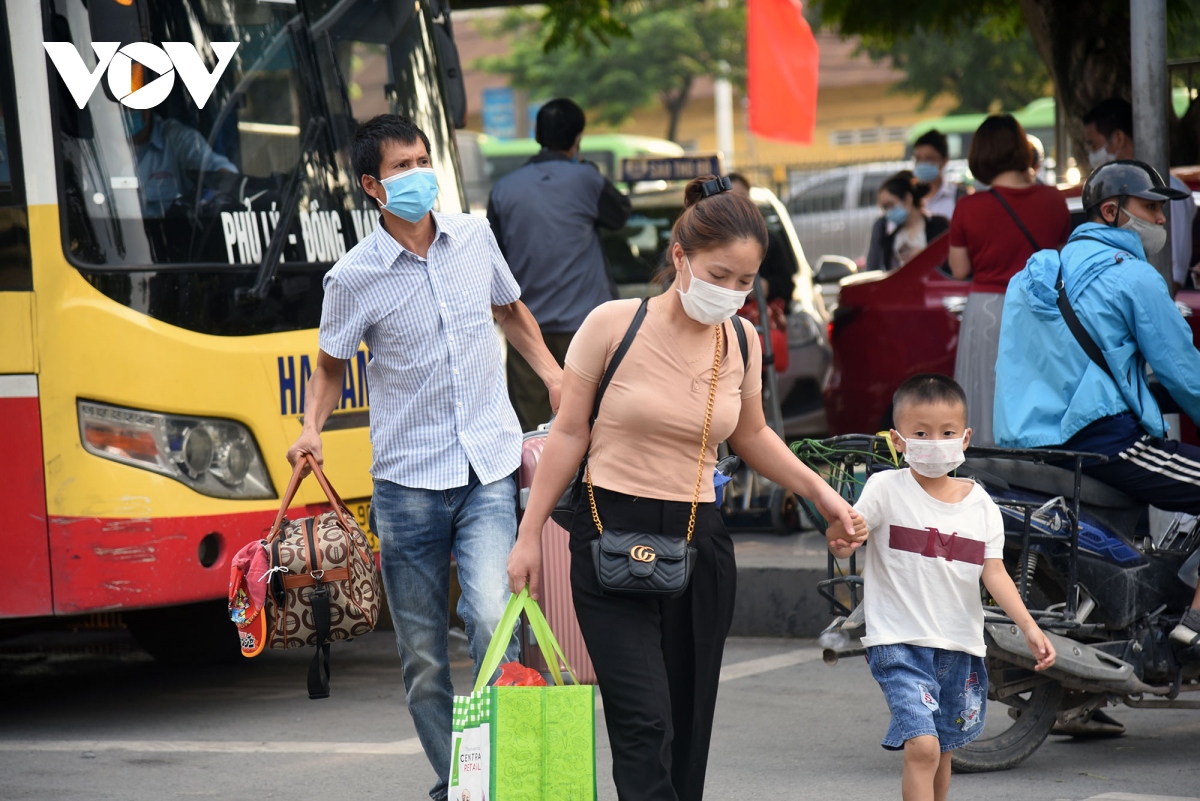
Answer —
1050 393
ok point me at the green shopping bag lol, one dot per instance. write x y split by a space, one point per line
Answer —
524 743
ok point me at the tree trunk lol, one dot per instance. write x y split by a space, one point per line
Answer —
675 102
1086 48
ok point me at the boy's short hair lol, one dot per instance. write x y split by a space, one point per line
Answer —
366 151
935 139
928 388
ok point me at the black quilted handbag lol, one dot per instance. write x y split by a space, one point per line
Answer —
652 565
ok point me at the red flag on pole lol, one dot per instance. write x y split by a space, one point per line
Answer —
781 62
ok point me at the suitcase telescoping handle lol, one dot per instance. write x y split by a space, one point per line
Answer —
339 507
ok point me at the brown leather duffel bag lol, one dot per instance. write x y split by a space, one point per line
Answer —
323 584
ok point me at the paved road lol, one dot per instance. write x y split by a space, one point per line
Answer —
788 726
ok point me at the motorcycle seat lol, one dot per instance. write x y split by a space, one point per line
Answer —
1051 480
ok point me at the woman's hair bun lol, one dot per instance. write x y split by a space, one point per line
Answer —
693 193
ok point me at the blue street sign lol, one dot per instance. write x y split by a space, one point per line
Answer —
499 113
533 112
676 168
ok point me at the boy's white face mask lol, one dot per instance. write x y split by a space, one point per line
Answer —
933 458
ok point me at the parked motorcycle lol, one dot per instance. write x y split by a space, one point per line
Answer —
1104 587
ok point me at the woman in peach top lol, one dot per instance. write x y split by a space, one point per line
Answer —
658 661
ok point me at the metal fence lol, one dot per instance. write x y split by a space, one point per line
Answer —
833 206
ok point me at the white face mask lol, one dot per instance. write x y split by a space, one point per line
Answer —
707 303
1154 237
933 458
1099 157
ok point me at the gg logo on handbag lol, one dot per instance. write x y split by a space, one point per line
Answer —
642 553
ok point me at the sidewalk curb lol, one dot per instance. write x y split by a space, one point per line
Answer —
779 602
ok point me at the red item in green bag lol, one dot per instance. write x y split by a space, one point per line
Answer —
514 674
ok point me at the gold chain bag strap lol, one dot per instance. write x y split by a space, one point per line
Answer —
652 565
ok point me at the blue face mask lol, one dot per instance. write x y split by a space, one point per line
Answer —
897 215
410 195
926 173
134 122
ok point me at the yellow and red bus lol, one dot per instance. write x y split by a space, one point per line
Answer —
153 355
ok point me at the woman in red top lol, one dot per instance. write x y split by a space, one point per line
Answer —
992 235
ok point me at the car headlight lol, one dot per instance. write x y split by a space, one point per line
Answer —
212 456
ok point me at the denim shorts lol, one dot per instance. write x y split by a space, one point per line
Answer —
930 691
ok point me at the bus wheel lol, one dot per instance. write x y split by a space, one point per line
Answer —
195 633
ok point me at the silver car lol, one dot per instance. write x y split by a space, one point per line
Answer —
635 254
833 210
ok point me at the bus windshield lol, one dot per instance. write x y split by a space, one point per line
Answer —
181 187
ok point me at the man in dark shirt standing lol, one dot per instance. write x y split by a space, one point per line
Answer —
545 216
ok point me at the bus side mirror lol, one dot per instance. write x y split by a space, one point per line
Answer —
451 66
115 21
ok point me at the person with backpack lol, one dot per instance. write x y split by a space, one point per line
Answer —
1078 331
992 235
672 385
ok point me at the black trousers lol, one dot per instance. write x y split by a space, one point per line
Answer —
1163 473
526 390
658 661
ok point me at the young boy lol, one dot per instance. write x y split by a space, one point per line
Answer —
933 537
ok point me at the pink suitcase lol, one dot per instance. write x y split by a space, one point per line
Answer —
555 599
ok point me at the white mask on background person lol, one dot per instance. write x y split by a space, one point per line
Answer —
1154 237
933 458
1099 157
707 303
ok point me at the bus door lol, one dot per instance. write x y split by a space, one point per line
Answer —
25 590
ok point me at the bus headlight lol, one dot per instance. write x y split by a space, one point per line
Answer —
212 456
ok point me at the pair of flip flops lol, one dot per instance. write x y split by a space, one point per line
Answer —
247 596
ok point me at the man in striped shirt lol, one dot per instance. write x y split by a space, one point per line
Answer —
422 290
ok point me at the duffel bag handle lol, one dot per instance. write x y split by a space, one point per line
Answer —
294 485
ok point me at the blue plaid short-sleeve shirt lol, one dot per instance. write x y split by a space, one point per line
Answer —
439 404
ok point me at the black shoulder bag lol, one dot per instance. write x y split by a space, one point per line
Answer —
1016 219
1064 306
1077 330
563 513
657 564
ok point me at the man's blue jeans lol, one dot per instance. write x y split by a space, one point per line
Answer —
418 529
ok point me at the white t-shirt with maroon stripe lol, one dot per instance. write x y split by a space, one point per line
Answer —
913 593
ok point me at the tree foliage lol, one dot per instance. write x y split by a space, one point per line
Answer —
1084 46
670 43
981 66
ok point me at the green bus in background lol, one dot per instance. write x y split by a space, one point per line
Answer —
486 159
1037 119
